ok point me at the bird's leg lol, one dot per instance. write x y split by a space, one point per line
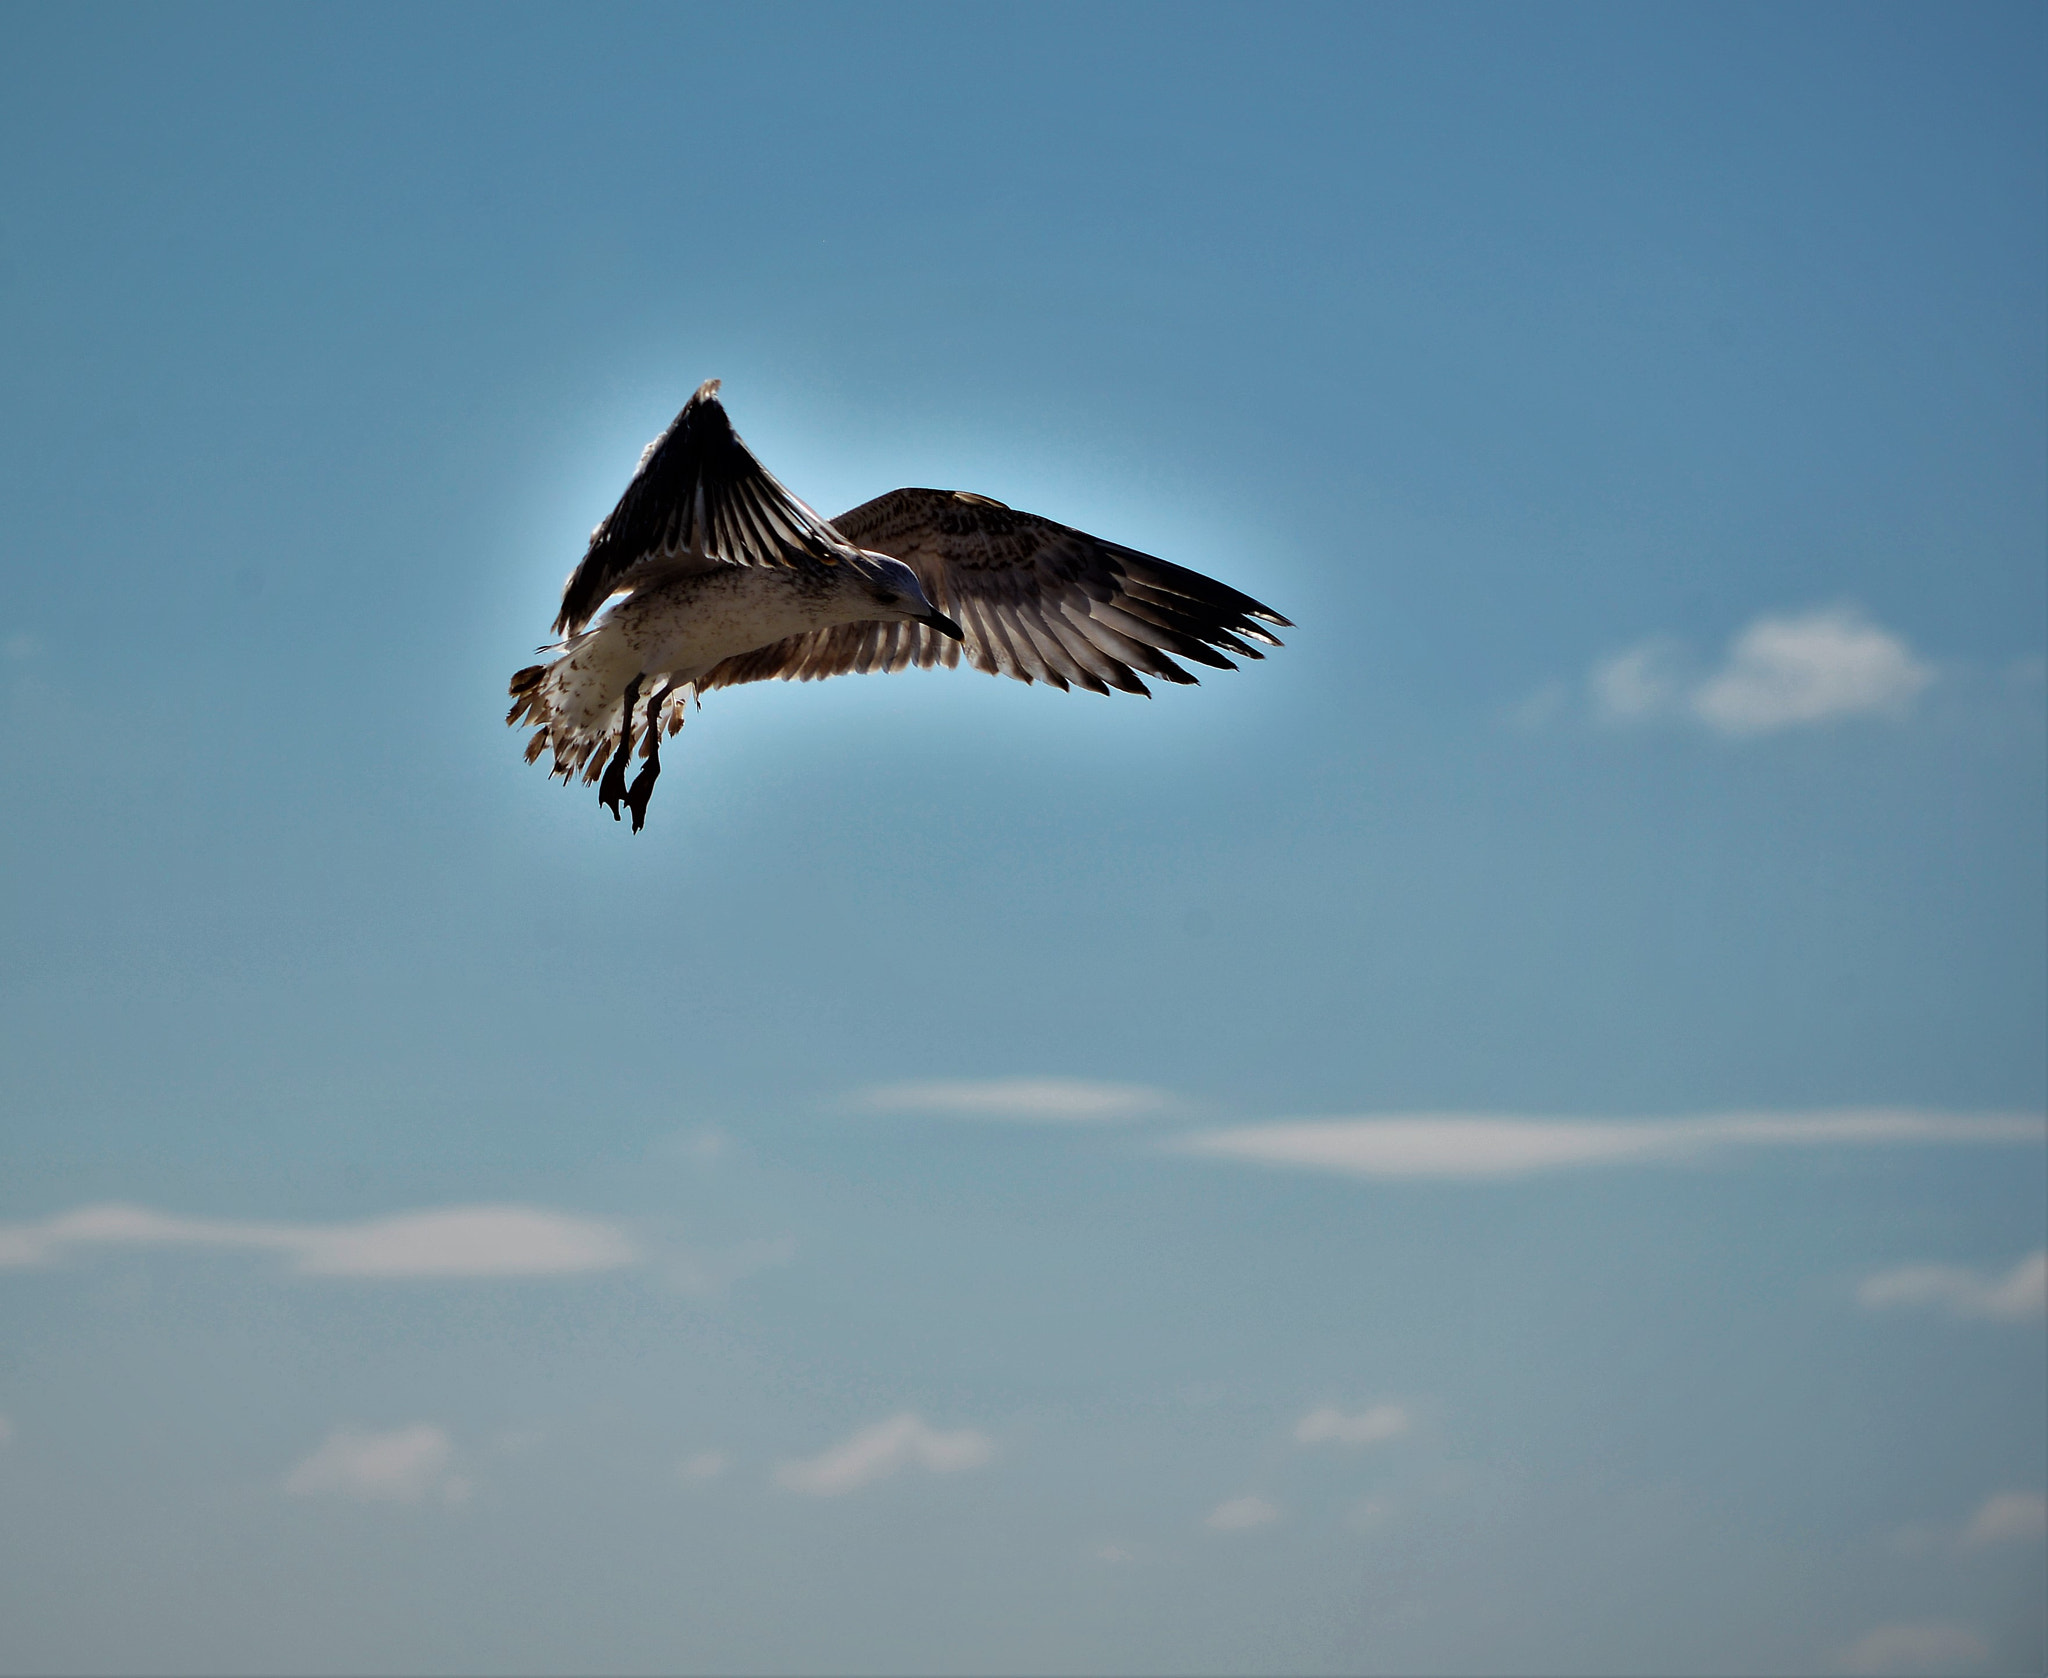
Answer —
612 788
650 771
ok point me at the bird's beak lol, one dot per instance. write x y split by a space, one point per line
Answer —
944 625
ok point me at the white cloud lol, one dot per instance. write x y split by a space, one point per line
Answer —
2007 1518
1814 668
1921 1649
1786 671
1029 1100
705 1465
446 1241
405 1465
876 1453
1329 1425
1465 1146
2021 1295
1239 1514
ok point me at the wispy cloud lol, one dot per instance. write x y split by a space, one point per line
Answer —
876 1453
448 1241
1464 1146
2007 1518
1783 671
1025 1100
1645 681
405 1465
1241 1514
707 1275
703 1465
1328 1425
1915 1649
2020 1295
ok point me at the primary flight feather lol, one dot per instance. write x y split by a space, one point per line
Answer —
721 576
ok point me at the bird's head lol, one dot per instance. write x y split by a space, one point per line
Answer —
896 593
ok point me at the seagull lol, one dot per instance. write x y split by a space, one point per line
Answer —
721 576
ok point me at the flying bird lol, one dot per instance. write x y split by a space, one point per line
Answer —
722 577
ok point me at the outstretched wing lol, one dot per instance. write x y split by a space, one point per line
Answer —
698 498
1036 600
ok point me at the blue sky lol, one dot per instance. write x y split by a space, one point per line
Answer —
1506 1137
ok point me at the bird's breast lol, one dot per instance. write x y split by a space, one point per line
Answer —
695 622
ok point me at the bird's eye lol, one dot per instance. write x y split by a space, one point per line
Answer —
885 598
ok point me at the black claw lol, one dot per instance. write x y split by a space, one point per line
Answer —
612 788
650 771
643 789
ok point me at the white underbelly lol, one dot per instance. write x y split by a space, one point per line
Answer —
693 624
680 631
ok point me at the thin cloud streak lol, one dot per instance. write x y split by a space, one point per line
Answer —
1020 1100
878 1452
2021 1295
1328 1425
1241 1514
1479 1147
448 1241
1915 1649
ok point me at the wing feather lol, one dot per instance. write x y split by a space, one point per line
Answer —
699 498
1137 654
1135 628
988 612
1036 600
1057 662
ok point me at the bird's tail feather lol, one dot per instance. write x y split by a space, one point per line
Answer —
580 746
